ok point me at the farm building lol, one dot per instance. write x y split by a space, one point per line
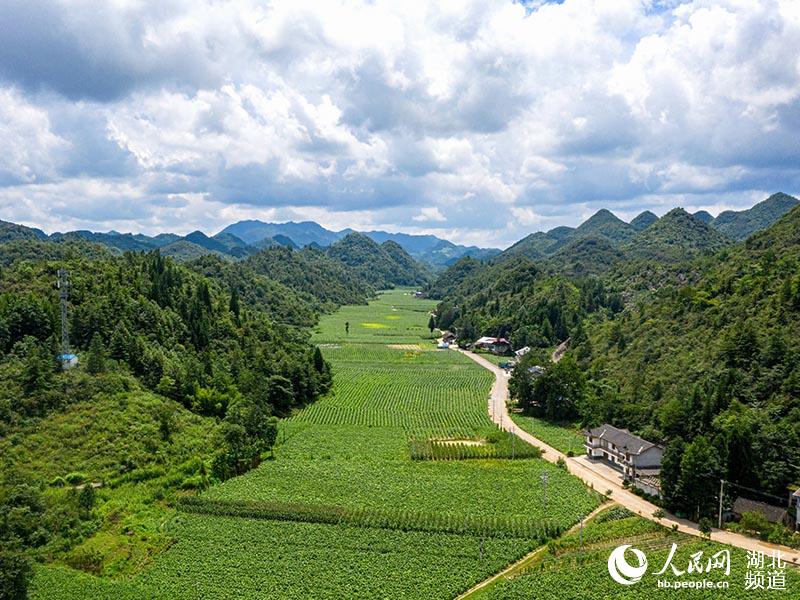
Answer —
522 351
536 371
637 459
493 345
773 514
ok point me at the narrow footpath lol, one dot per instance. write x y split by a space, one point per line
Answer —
498 411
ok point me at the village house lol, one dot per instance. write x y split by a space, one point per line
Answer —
637 459
773 514
493 345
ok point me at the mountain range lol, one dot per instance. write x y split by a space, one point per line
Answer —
600 241
604 238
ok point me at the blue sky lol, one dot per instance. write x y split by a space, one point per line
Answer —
477 121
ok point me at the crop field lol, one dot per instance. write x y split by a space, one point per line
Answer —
223 557
564 438
575 566
387 487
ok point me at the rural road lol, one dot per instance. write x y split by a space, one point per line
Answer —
601 482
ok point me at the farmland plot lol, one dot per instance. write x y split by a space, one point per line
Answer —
385 521
575 568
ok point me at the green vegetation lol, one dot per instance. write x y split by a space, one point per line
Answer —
741 224
179 384
564 437
698 353
574 566
313 273
676 236
344 504
259 558
382 265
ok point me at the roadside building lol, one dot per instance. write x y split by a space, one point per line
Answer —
638 460
773 514
493 345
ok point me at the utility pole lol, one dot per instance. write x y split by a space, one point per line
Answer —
63 294
721 495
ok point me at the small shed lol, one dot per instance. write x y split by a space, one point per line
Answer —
773 514
67 360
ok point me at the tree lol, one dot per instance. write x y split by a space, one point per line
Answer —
38 367
96 362
432 323
671 474
700 475
704 525
234 305
15 573
559 391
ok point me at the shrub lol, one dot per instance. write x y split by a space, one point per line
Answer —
75 478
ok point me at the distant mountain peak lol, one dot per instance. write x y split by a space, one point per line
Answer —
743 223
643 220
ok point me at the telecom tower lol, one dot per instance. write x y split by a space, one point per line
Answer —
67 358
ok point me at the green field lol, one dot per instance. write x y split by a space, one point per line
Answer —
564 437
350 452
575 567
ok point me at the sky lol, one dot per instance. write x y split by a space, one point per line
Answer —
477 121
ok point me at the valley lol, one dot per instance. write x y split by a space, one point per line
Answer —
426 528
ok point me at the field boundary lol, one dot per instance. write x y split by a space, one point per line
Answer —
404 520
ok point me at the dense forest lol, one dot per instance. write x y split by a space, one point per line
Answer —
687 338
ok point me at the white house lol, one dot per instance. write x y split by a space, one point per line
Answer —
637 459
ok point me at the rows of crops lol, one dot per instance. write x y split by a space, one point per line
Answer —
575 567
402 520
225 557
475 487
381 524
499 444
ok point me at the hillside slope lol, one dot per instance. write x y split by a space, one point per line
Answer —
741 224
383 266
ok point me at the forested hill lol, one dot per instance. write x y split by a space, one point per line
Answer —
382 265
711 368
182 374
675 236
312 272
700 353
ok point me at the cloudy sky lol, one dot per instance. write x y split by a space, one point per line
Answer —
478 121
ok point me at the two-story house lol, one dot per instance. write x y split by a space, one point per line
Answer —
637 459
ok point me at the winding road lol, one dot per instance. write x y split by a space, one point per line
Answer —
594 477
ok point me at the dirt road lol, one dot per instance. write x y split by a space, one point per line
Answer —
602 482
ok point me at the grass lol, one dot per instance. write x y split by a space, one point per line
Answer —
140 476
564 437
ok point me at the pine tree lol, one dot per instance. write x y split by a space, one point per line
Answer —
234 305
97 355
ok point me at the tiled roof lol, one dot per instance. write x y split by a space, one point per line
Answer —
621 438
773 514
